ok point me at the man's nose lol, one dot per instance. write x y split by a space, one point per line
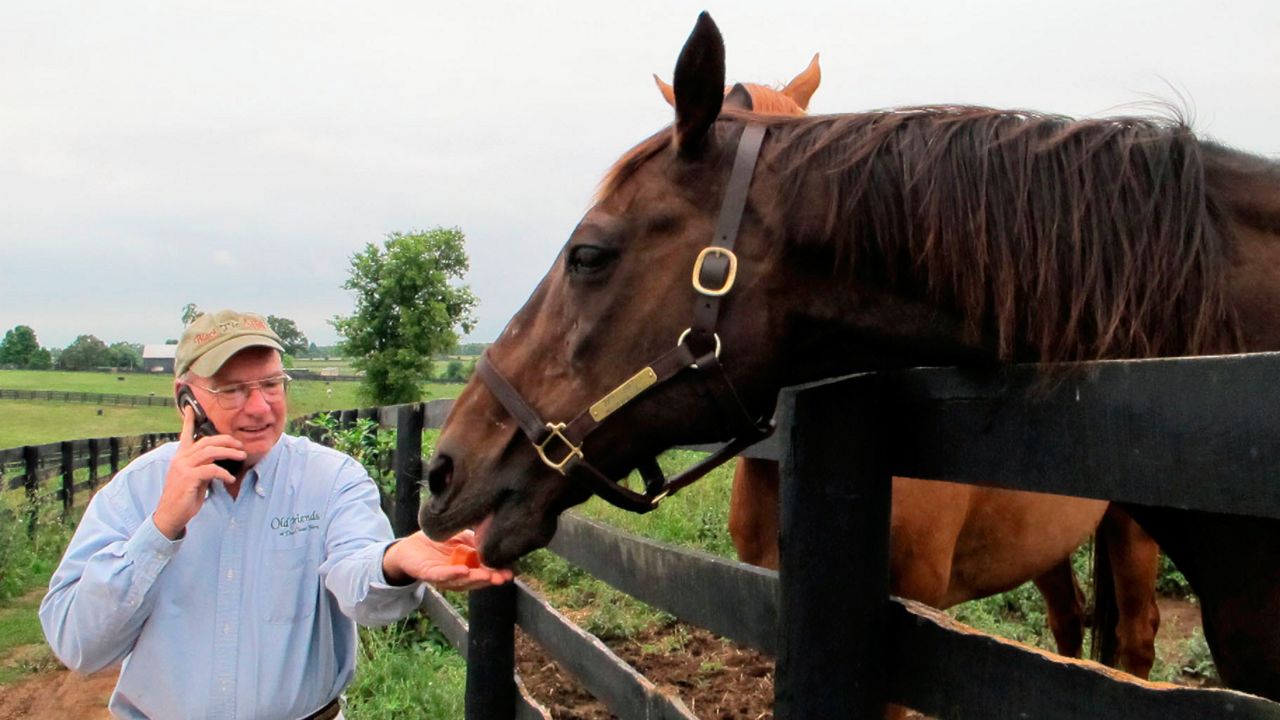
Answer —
256 402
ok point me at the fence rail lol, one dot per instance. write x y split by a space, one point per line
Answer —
87 397
30 466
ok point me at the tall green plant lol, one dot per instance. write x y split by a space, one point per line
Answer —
29 553
408 308
372 447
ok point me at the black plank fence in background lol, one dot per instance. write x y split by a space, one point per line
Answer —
29 466
67 396
1196 433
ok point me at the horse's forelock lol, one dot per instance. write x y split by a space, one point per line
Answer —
771 101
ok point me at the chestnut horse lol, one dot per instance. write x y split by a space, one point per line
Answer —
952 543
862 242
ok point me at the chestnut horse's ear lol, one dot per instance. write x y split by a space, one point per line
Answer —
668 92
699 85
802 86
739 97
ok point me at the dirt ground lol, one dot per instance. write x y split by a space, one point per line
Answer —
59 694
716 679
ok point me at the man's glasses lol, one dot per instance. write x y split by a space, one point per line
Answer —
233 397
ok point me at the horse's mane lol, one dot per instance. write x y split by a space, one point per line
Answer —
1058 239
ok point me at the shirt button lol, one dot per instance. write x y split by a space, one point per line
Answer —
226 630
231 574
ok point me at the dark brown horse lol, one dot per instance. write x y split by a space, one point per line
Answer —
938 236
951 543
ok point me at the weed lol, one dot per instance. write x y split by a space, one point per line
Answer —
1199 662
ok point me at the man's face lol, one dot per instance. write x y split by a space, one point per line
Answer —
260 421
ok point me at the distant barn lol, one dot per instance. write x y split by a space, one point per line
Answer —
158 358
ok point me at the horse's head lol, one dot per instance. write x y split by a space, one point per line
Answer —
616 342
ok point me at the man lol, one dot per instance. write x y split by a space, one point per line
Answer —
234 595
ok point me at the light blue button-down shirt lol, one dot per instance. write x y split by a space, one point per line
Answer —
250 614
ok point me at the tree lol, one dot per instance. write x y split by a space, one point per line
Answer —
407 309
41 359
84 353
190 312
20 347
295 343
126 355
453 371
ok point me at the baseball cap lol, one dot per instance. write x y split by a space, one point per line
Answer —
212 338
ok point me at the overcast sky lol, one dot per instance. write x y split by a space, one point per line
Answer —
237 154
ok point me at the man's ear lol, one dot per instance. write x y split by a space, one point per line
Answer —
699 85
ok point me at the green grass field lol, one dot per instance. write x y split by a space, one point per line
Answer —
36 422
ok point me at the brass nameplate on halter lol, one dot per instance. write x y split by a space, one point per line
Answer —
623 394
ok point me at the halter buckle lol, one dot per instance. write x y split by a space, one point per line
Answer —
728 281
685 334
575 451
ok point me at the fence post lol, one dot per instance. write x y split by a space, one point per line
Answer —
68 476
834 575
491 653
408 468
114 445
31 459
94 461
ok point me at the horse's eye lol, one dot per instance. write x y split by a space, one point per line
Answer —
587 260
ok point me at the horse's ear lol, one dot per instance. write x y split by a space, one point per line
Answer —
802 86
668 92
699 85
739 97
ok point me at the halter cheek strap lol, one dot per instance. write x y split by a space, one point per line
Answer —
697 351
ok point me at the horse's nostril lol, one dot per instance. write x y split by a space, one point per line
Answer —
439 473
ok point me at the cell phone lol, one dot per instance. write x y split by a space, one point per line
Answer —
205 428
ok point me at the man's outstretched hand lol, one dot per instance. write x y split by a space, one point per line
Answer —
449 565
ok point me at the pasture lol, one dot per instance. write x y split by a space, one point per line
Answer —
35 422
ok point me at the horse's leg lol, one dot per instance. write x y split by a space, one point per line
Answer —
1135 562
1065 604
1230 562
753 512
925 522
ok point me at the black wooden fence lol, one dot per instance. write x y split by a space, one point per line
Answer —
87 397
1198 433
29 466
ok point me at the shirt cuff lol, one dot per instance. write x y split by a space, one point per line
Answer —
149 551
149 547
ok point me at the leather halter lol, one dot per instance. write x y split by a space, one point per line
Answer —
559 445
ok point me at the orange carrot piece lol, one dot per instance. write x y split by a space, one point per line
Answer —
463 555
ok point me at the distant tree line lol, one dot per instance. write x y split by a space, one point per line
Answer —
21 349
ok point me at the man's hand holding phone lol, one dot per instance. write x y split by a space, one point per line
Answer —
190 473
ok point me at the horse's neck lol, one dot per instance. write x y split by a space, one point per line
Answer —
840 327
1253 289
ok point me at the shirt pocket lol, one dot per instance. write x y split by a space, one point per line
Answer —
290 583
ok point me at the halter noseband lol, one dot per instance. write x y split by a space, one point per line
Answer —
559 445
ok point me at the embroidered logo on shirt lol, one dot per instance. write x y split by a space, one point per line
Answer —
293 524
